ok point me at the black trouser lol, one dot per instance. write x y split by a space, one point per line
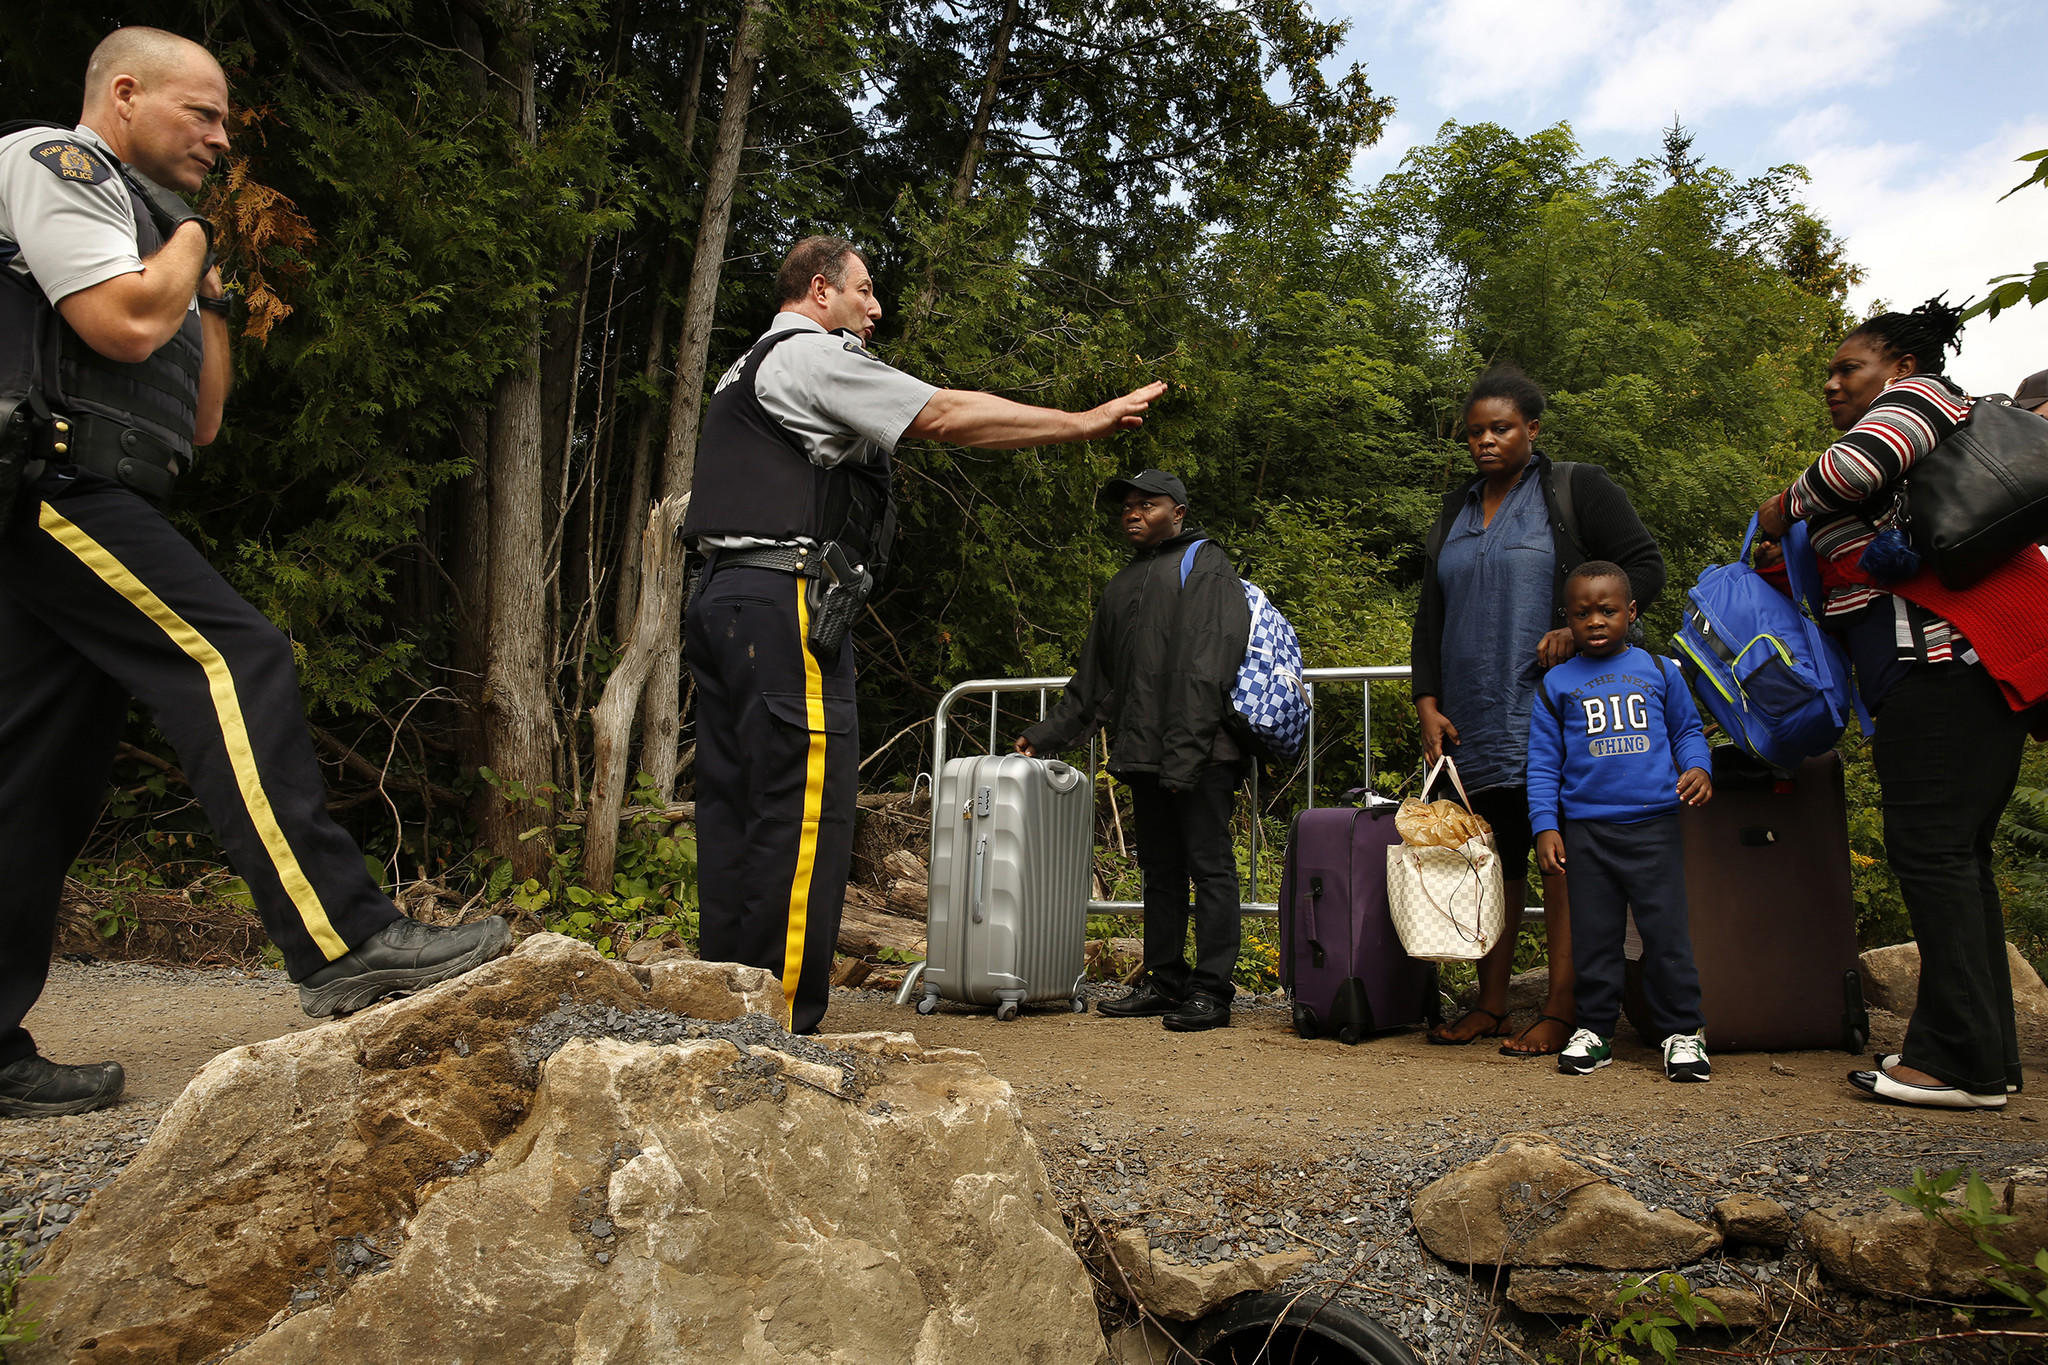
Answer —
1613 869
778 768
101 600
1184 836
1947 752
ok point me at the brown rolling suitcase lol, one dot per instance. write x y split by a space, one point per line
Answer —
1772 914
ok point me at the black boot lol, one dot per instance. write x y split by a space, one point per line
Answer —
36 1087
404 955
1198 1012
1146 999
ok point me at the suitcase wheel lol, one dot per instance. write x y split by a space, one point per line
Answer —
1349 1035
1305 1023
1080 1004
926 1004
1006 1011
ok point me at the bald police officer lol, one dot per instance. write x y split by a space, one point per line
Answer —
791 506
113 368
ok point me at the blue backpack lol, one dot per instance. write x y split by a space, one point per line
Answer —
1760 667
1269 694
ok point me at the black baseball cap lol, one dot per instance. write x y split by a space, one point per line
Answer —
2033 390
1156 481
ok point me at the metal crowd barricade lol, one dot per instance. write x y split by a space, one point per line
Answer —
1366 675
995 687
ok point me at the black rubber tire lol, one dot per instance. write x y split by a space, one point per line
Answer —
1311 1333
1349 1035
1006 1011
1080 1004
1305 1023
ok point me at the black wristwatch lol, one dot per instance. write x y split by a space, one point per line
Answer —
224 305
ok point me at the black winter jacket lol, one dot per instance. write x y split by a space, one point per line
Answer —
1158 666
1610 530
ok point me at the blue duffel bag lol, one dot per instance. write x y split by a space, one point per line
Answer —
1759 665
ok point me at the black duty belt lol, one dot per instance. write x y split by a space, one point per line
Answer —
131 457
801 560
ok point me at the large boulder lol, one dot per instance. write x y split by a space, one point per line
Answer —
562 1158
1891 980
1172 1288
1597 1294
1526 1203
1899 1251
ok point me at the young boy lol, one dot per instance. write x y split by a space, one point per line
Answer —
1156 670
1614 746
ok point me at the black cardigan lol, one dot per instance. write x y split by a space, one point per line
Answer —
1604 525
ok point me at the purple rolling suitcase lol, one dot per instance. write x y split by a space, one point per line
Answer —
1340 959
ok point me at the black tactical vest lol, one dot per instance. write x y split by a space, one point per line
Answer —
754 479
159 396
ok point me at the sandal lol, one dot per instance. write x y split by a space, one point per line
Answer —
1441 1037
1509 1049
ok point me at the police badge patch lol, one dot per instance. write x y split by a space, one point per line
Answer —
69 161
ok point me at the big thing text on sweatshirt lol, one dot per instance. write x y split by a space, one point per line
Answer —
1608 739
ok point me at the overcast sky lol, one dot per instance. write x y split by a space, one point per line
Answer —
1908 116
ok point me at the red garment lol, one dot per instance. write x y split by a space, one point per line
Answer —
2004 616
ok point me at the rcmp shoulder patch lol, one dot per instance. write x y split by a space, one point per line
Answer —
68 161
850 342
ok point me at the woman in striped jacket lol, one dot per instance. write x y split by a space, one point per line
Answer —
1949 678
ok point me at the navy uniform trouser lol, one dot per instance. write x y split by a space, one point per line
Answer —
102 600
778 770
1614 869
1183 839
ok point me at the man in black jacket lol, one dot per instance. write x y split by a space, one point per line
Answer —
1157 669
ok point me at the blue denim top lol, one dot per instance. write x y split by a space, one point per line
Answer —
1497 582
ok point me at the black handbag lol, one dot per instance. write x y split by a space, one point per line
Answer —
1981 495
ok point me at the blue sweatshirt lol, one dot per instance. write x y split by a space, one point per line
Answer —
1608 739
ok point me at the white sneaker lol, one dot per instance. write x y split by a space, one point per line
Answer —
1586 1053
1685 1058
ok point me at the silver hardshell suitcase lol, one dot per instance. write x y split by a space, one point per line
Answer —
1012 839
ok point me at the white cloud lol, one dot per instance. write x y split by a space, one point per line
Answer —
1922 221
1501 49
1697 60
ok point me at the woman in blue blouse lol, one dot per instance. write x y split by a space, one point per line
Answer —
1490 620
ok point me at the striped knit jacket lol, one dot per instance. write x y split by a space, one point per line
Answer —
1845 498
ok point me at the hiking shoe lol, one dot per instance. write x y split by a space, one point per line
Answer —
1146 1000
36 1087
1685 1058
402 956
1196 1013
1586 1053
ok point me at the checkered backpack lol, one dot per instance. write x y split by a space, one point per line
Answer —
1269 695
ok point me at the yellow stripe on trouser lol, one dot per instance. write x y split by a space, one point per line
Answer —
227 707
814 804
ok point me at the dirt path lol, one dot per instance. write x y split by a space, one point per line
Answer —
1253 1086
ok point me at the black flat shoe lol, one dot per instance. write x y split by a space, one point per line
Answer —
1197 1013
1881 1085
36 1087
1887 1060
1144 1001
405 955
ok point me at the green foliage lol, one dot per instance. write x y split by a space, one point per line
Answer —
1653 1307
2023 865
16 1327
653 894
1977 1217
2008 290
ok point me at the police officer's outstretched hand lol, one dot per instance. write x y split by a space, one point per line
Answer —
1125 413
